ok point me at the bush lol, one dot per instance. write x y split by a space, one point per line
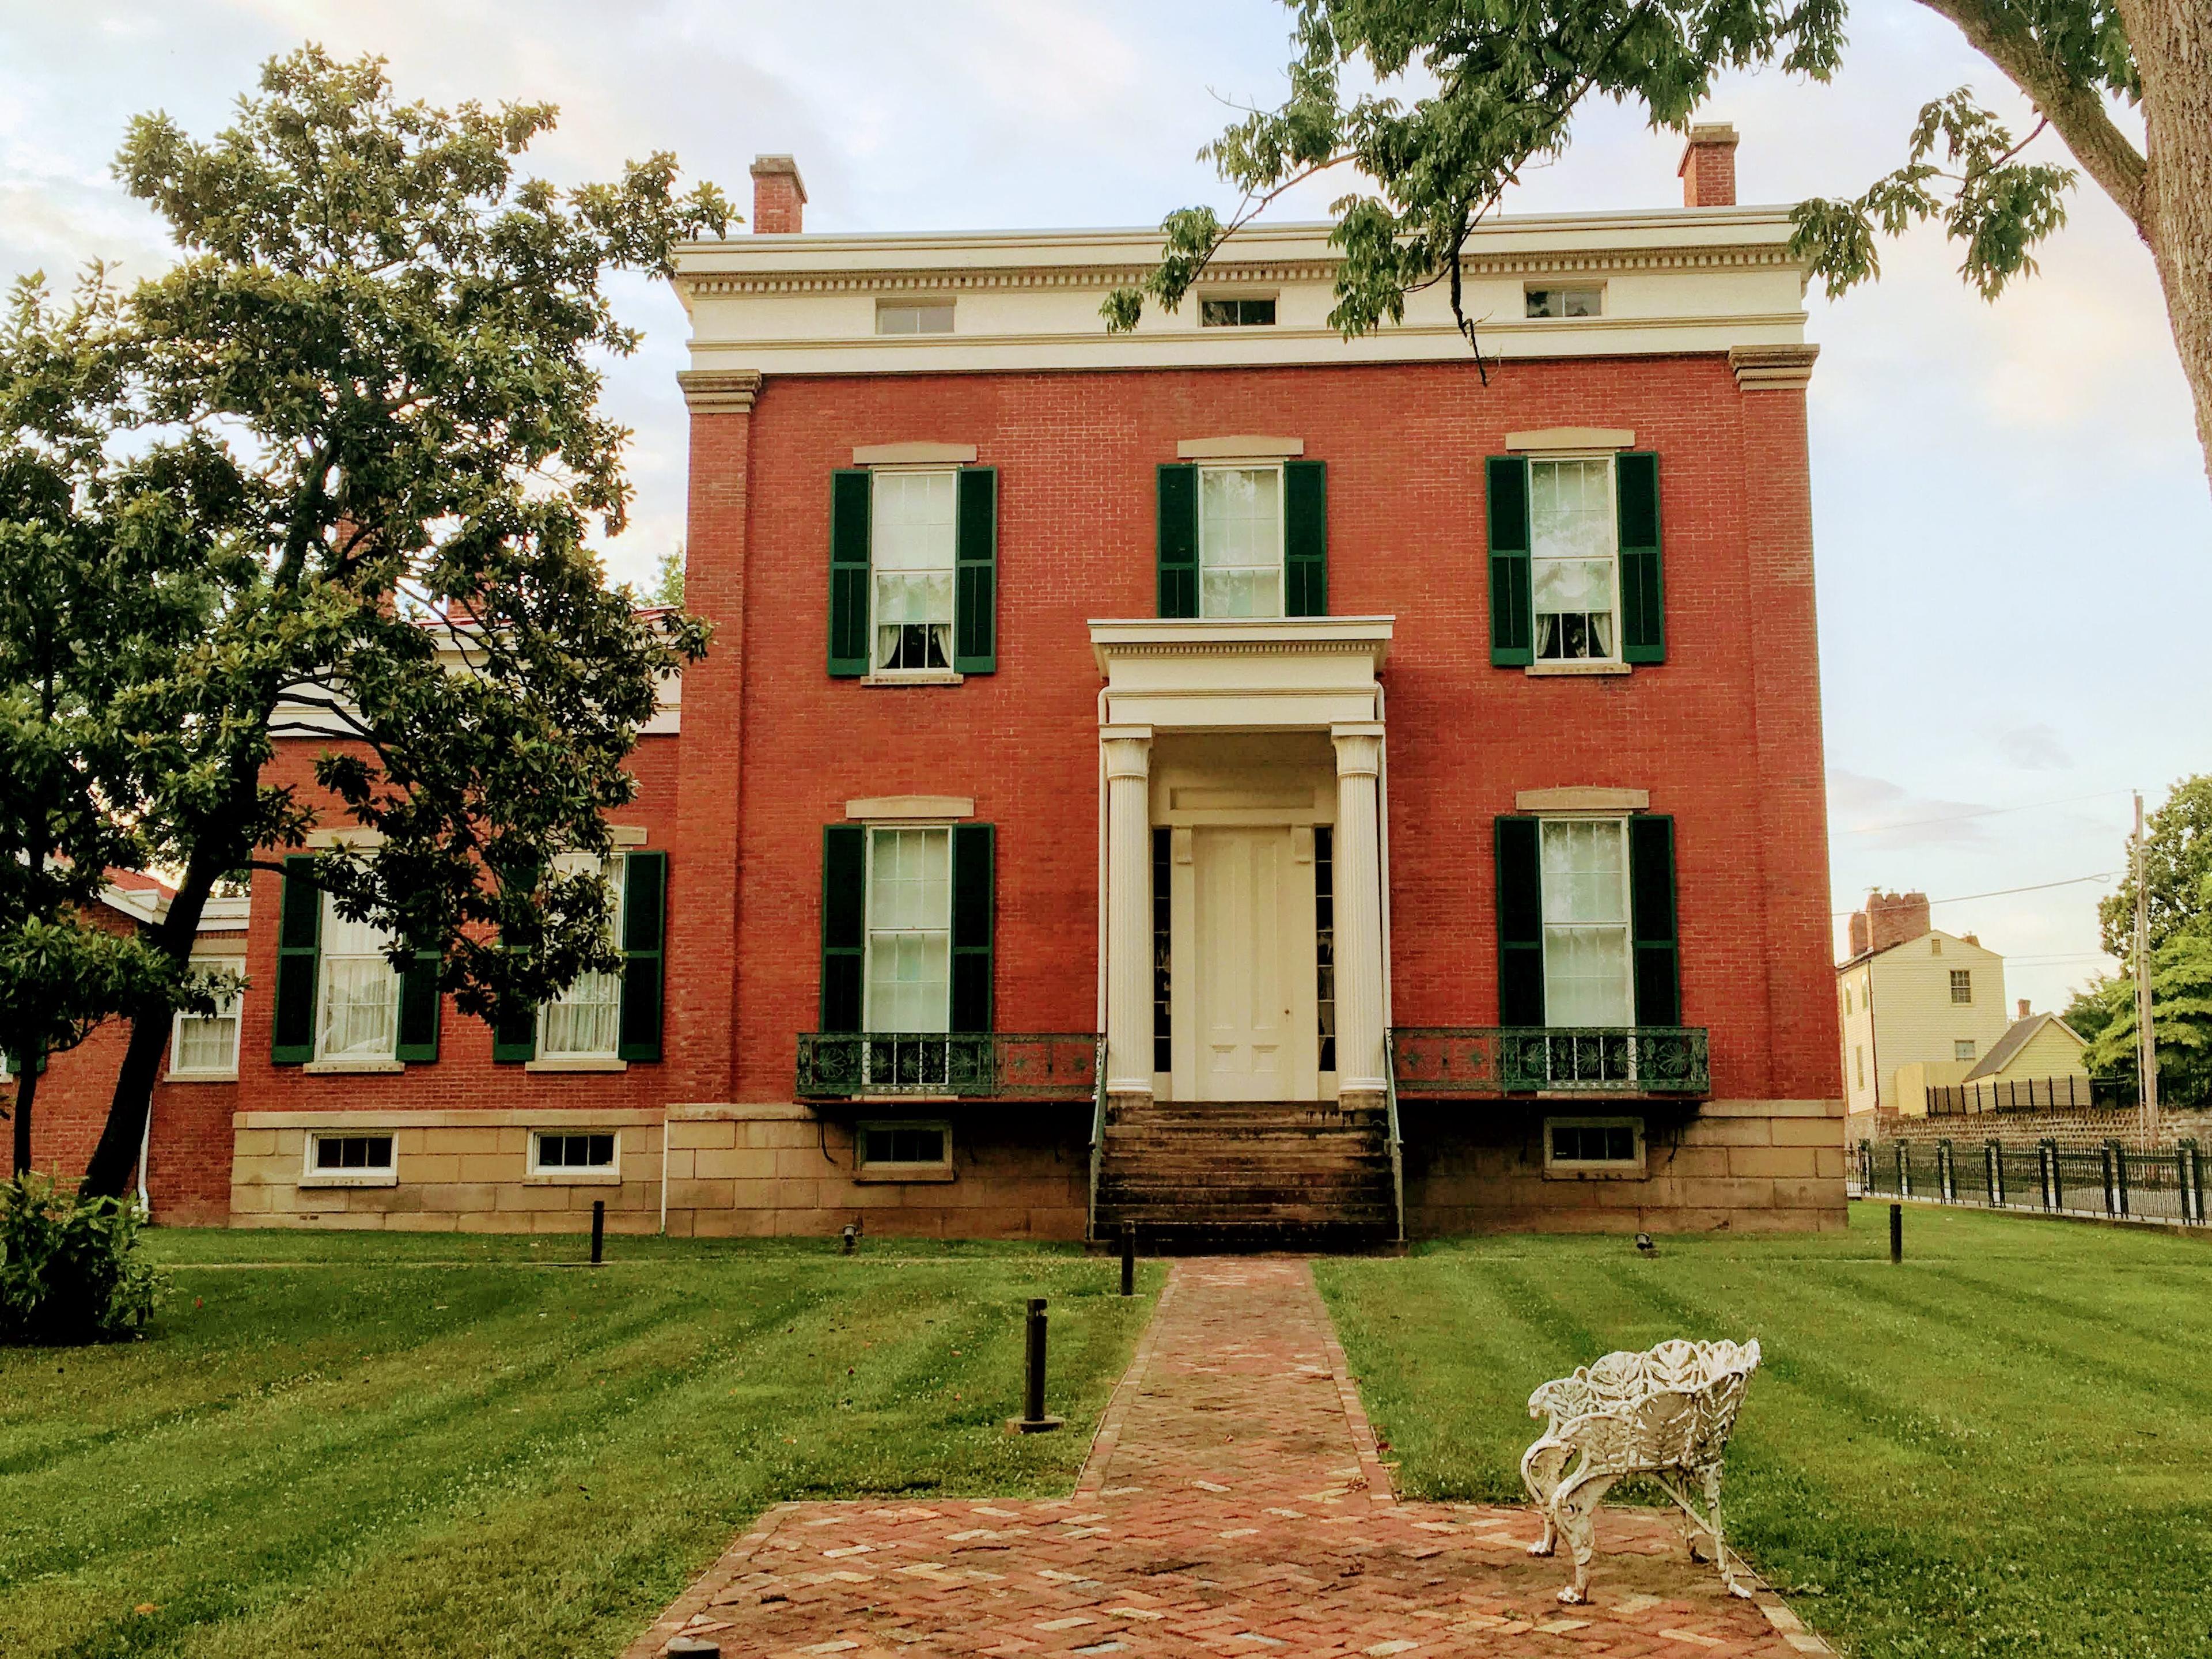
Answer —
67 1271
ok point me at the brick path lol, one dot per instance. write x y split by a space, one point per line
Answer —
1233 1505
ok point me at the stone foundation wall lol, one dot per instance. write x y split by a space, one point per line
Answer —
1744 1165
465 1171
2078 1129
759 1170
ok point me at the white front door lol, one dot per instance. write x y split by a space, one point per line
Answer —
1252 911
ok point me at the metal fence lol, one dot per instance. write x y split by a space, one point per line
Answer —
2110 1180
1489 1060
2030 1094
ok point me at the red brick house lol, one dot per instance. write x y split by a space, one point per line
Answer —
1220 778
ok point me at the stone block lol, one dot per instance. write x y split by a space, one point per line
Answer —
252 1143
699 1194
1776 1163
1807 1132
1728 1132
429 1169
490 1166
462 1198
711 1136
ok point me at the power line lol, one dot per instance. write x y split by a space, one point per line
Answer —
2004 892
1982 812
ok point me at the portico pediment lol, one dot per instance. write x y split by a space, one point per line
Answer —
1279 673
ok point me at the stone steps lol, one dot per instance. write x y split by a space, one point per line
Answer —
1247 1176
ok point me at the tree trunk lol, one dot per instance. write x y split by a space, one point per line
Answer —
115 1160
27 1089
2172 43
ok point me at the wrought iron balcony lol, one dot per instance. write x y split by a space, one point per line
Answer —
941 1065
1493 1060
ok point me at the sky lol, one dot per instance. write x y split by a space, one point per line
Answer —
2013 526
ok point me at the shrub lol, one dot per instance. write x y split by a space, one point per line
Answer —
67 1270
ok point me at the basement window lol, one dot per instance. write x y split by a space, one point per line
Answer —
586 1152
1566 301
913 316
904 1151
1593 1146
1237 313
349 1160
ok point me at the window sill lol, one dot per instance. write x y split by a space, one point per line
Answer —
902 1173
913 677
200 1077
352 1067
577 1063
1594 1172
572 1178
1567 669
365 1178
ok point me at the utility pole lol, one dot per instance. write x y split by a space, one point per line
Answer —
2146 1032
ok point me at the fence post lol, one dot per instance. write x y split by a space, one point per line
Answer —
1904 1172
1866 1166
1946 1186
2112 1205
2054 1197
2192 1182
1993 1168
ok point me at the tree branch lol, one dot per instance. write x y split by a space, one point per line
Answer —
2077 111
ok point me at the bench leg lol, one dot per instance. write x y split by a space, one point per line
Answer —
1575 1510
1720 1541
1542 1468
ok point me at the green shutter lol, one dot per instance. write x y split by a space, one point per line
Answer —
1178 542
419 1009
1643 590
852 505
1652 920
514 1028
645 932
1520 923
844 924
976 576
973 908
1305 538
1512 621
299 940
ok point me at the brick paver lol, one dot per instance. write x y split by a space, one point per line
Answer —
1233 1504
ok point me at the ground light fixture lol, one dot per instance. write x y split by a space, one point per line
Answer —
1644 1245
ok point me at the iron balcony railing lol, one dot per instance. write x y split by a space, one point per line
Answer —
1504 1059
941 1065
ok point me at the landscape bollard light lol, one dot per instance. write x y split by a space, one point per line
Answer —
852 1240
693 1647
1129 1258
1033 1420
599 1230
1897 1232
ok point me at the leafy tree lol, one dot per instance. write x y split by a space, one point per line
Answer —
2177 872
668 578
84 607
376 367
1509 75
2181 1018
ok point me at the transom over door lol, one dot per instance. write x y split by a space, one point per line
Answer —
1253 917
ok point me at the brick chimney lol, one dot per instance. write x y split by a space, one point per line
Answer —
779 197
2023 1008
1707 170
1889 919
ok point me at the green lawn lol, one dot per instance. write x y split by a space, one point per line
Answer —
445 1446
2002 1447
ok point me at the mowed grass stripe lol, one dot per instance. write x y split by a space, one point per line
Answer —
353 1469
1963 1455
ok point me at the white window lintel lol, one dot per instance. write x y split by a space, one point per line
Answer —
913 455
884 808
1239 449
1569 438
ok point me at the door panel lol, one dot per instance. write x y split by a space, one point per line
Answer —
1254 957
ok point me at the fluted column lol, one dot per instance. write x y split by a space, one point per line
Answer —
1359 1059
1128 910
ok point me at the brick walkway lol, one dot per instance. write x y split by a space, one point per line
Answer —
1233 1505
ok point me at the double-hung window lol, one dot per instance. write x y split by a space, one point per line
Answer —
1574 575
1240 541
1587 972
1575 570
584 1022
206 1045
909 950
358 996
913 555
912 547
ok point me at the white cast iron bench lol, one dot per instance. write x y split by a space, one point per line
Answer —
1667 1414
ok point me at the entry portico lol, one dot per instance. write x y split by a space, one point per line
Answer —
1246 928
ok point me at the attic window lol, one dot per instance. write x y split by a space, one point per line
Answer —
1237 313
1566 302
913 316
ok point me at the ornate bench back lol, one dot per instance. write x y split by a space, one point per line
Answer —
1672 1407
